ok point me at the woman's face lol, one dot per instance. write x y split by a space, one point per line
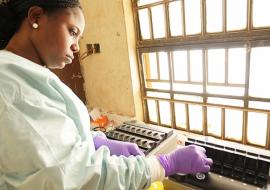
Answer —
57 37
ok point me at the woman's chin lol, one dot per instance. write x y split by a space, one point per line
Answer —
58 66
62 65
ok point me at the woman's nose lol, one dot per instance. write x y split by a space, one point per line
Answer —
75 47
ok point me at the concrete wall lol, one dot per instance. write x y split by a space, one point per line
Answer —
111 77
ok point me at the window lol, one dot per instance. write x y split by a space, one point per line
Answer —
205 66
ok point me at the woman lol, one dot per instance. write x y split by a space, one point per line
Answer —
45 142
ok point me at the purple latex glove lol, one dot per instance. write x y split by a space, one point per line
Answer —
189 160
118 147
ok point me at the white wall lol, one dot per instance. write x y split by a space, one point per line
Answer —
111 77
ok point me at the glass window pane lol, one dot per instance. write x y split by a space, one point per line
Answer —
180 115
237 65
216 65
158 85
188 87
257 128
214 121
163 66
165 112
259 105
176 22
180 65
233 124
225 90
225 101
144 24
195 118
193 16
214 15
188 98
196 66
236 14
152 111
146 2
158 20
158 94
259 72
150 66
261 13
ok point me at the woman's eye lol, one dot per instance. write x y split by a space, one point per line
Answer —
73 33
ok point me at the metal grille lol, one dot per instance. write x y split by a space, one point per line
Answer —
160 91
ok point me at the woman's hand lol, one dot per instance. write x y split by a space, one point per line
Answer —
118 147
189 160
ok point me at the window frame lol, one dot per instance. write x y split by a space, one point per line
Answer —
249 37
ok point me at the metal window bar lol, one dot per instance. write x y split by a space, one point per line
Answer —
224 15
153 4
204 61
167 21
223 124
226 68
158 67
244 127
187 117
142 86
183 17
172 68
186 82
203 16
188 66
246 95
204 116
268 133
147 68
226 83
172 109
157 80
151 23
158 112
249 15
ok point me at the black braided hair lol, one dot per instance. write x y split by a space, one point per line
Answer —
13 12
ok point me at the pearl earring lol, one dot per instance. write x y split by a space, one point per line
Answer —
35 25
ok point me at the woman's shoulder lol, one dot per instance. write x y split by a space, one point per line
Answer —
7 56
20 77
21 68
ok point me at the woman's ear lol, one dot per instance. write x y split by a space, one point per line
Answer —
34 15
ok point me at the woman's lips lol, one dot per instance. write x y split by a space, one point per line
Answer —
69 59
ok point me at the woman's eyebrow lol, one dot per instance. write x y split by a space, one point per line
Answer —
79 32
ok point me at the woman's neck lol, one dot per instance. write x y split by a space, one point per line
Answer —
22 46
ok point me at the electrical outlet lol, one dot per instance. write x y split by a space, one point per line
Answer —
97 48
92 48
89 48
